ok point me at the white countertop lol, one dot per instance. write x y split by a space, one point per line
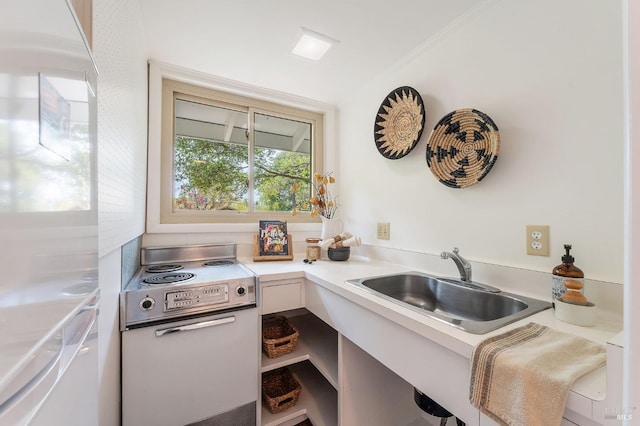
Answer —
333 275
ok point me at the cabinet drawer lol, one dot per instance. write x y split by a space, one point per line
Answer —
282 296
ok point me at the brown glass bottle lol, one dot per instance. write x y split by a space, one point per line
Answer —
565 271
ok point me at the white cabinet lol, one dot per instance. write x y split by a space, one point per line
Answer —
356 366
433 369
333 370
278 296
314 362
371 394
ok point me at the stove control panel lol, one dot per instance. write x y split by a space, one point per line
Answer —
197 296
151 303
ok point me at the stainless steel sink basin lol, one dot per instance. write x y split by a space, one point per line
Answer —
472 307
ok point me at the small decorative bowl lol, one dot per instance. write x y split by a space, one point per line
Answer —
339 253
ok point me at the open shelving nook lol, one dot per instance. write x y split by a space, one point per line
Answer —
342 384
314 363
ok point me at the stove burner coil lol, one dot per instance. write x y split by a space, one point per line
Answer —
169 278
166 267
219 262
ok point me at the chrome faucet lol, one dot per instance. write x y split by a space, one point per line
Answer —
464 267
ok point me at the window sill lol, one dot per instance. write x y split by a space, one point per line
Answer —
166 228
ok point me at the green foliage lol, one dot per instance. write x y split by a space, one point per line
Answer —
212 175
36 179
276 171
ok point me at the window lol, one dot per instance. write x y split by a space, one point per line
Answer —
230 158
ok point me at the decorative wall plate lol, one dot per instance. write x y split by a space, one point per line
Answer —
463 147
399 123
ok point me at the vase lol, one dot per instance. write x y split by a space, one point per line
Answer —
330 227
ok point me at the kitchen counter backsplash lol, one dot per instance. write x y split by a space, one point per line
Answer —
608 297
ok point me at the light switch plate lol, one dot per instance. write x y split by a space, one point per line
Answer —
383 231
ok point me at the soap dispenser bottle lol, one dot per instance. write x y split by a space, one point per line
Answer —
563 272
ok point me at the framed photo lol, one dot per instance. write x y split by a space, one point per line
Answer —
272 242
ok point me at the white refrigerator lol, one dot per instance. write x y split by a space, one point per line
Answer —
48 217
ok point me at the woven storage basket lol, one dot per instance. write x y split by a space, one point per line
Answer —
279 336
280 390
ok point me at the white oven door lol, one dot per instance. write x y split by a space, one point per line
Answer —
192 370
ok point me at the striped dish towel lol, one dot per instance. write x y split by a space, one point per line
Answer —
523 377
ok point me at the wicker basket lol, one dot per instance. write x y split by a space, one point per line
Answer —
279 336
280 390
463 147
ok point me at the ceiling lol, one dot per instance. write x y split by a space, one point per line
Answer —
250 41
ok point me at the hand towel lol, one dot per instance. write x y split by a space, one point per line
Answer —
523 376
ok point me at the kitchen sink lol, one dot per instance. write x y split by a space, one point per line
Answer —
472 307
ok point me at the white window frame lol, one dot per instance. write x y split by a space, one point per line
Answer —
159 186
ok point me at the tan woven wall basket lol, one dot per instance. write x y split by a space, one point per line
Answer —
463 147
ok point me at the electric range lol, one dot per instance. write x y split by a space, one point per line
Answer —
176 282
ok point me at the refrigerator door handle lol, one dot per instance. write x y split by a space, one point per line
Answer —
67 341
48 373
75 333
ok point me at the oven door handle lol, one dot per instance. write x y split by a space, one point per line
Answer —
195 326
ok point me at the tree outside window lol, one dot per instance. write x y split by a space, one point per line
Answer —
212 163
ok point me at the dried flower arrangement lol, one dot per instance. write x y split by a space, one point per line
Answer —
322 203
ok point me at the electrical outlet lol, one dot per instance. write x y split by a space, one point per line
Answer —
538 240
383 232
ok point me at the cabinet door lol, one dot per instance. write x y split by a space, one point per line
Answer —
282 296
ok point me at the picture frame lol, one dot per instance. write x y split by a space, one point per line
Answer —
272 241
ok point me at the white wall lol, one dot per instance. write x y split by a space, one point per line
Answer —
632 267
120 53
109 341
550 75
